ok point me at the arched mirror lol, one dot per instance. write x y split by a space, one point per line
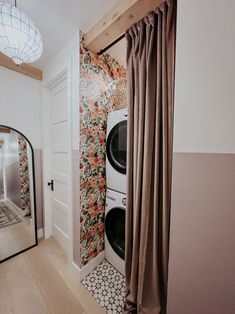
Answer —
17 194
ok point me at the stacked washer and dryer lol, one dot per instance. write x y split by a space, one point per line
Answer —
116 146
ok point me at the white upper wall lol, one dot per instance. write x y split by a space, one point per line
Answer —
20 104
62 59
10 148
205 85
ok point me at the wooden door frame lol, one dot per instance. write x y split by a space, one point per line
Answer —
66 73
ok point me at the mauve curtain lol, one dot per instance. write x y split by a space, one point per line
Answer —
151 64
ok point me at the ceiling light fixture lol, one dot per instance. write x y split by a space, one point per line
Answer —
19 37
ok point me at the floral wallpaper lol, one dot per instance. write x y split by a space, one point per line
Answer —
24 175
99 77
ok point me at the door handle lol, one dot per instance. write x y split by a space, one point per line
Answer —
51 184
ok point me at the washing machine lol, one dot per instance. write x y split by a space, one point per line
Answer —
115 212
116 147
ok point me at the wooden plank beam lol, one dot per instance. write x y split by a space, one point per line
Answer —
5 130
116 21
23 68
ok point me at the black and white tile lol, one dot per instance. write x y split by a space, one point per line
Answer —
107 286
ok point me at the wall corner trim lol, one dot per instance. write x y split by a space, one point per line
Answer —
88 268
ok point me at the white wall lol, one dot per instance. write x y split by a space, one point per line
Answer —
11 170
21 108
20 104
1 157
205 85
10 148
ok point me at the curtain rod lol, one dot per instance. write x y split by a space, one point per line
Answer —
111 45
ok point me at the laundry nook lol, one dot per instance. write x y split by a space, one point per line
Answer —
117 157
103 168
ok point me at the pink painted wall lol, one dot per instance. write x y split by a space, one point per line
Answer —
202 247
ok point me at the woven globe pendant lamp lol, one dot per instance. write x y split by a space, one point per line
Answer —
20 39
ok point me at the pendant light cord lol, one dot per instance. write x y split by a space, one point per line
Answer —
15 4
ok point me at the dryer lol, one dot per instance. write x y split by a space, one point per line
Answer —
116 147
115 212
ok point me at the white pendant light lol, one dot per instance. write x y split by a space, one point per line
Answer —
19 37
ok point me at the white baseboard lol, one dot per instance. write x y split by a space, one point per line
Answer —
88 268
40 233
77 271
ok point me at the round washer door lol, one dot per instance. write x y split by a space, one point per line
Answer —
115 230
117 146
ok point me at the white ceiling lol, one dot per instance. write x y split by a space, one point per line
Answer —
58 20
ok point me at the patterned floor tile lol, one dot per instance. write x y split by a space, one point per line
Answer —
107 286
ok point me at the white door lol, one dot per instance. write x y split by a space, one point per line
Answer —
59 126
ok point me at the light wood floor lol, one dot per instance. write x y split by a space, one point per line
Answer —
40 281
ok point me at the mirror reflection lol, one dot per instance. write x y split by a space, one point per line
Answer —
17 199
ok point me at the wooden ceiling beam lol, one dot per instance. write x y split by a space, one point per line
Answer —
116 21
5 130
23 68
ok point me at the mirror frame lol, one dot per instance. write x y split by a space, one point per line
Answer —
34 200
